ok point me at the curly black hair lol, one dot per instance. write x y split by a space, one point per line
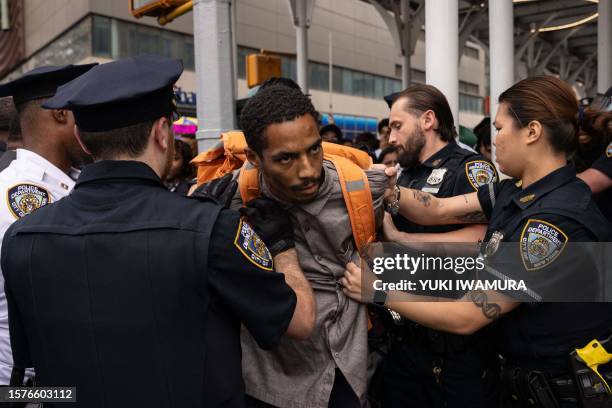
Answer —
272 104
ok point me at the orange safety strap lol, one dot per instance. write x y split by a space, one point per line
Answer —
358 200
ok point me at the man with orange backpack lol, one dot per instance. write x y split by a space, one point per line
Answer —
332 204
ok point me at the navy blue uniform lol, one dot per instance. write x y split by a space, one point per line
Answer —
554 211
425 367
604 199
135 295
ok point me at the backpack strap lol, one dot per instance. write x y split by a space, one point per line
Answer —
358 199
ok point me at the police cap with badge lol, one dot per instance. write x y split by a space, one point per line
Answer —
41 82
121 93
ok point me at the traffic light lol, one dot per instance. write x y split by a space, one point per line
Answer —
153 8
261 67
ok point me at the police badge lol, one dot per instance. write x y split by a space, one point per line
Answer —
493 244
23 199
540 244
252 247
480 173
436 176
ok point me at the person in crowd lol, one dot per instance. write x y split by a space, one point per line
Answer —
284 145
383 135
43 171
7 111
463 374
483 135
128 277
544 205
388 156
331 133
366 141
181 173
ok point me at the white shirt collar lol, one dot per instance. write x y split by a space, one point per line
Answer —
40 168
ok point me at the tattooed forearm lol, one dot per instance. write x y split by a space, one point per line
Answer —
490 310
474 217
423 198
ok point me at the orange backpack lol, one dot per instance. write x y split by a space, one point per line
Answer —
229 154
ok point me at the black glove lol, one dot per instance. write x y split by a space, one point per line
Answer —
221 190
271 222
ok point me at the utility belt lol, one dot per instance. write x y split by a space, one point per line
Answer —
583 387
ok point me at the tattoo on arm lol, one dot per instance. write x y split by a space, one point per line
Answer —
474 217
423 198
490 310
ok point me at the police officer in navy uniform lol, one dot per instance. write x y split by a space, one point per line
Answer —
134 294
599 176
540 215
426 367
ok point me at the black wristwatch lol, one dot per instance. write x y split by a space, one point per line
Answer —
380 297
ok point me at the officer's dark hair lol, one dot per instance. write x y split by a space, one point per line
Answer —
272 104
553 103
130 140
384 122
421 98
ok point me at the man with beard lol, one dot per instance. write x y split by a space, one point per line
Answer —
43 171
329 368
131 293
427 368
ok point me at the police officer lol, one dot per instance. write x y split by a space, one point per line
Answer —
134 294
544 207
44 170
599 177
452 370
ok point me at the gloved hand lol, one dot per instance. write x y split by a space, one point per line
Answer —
221 190
271 222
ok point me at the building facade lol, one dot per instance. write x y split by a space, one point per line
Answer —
366 66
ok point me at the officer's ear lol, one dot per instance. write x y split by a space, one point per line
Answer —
77 134
534 131
253 158
161 132
428 120
61 116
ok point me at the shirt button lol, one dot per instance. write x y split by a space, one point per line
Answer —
337 355
318 258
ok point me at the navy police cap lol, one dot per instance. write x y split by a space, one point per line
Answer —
41 82
120 93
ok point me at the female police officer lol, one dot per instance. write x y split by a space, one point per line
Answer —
537 125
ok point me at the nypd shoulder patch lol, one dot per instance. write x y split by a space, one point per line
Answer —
480 173
540 244
609 150
252 247
23 199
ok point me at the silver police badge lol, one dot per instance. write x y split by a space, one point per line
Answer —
541 243
480 173
493 244
436 176
24 199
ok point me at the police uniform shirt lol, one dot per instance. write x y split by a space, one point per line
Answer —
604 199
135 295
449 172
28 183
542 219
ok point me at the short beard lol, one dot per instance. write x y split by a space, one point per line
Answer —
409 154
